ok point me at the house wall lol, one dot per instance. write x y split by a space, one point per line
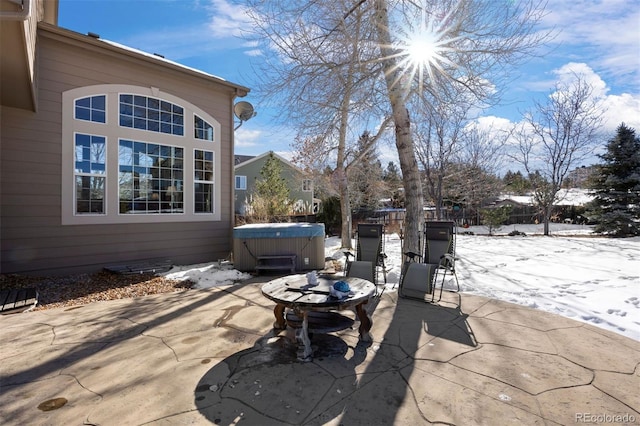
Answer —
33 239
251 169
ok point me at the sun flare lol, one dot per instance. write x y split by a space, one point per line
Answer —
424 49
421 51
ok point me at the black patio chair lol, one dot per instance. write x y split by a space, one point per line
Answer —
421 278
370 248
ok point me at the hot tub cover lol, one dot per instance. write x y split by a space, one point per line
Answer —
279 230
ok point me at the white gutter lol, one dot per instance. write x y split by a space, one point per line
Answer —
21 15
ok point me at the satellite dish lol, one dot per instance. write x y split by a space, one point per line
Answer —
244 110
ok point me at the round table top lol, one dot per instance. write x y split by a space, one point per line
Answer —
294 291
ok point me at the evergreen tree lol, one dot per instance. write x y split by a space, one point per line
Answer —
494 218
392 176
616 185
516 183
365 176
393 181
271 196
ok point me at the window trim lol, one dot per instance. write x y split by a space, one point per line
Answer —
307 188
243 179
113 132
203 181
90 174
106 106
195 129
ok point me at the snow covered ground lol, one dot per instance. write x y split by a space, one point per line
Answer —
571 273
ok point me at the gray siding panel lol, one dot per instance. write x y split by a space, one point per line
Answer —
31 235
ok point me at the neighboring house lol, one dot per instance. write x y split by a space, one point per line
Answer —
247 172
566 208
108 155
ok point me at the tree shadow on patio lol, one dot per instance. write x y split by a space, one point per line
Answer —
348 381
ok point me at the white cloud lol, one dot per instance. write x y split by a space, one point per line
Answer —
231 21
616 108
493 123
603 32
227 20
246 138
623 108
568 72
254 52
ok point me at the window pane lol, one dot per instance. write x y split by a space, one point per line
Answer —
241 182
98 103
203 186
126 109
203 195
140 123
89 194
126 121
151 114
140 100
91 109
84 102
83 113
151 186
139 112
90 154
202 129
98 117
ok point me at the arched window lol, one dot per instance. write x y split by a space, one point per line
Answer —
128 157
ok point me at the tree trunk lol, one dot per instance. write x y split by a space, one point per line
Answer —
547 217
404 142
341 169
345 208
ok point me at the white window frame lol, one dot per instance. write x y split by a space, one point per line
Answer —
307 185
113 132
89 174
243 182
204 181
91 109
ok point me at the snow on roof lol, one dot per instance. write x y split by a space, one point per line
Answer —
160 58
565 197
574 197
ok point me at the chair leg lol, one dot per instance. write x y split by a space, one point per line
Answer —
435 284
444 277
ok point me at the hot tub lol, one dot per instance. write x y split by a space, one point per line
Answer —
304 240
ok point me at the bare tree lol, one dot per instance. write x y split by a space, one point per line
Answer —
340 63
438 138
322 73
393 74
555 138
441 47
471 174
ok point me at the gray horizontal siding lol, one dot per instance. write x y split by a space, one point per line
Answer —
101 249
33 240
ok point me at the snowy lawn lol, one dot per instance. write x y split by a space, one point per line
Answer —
571 273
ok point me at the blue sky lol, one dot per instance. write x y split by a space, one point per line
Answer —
600 39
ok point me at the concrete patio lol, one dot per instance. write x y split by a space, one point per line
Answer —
212 357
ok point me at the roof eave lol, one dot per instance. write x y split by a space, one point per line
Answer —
87 41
